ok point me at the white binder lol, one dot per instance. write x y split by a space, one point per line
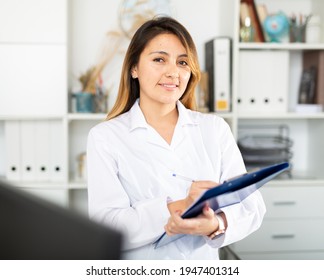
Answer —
222 49
263 85
12 150
218 66
28 160
57 151
42 150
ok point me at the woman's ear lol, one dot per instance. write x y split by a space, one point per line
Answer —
134 73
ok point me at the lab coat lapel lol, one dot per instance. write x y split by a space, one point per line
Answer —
137 121
180 130
153 137
178 136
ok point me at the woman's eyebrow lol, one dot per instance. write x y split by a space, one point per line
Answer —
165 53
160 52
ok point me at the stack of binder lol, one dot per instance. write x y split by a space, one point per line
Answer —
259 150
34 150
263 82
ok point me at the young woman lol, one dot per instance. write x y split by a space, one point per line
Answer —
152 133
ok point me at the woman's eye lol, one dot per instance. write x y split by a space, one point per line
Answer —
159 59
183 63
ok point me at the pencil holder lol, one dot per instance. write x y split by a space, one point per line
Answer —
297 33
100 103
84 102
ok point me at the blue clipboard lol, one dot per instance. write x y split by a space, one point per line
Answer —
228 193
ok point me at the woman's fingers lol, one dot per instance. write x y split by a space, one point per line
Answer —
201 225
178 225
208 212
172 227
197 188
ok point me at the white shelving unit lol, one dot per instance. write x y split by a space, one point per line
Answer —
33 99
34 91
306 130
293 227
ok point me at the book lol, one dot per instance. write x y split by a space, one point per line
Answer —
202 93
309 108
314 59
228 193
244 12
255 21
307 85
262 14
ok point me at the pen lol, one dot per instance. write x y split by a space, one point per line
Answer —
183 177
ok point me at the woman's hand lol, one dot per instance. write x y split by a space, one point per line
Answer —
204 224
196 189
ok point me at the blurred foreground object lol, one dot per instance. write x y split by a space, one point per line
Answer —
32 229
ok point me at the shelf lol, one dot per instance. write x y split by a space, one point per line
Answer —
40 185
86 116
72 185
81 185
280 46
77 185
102 117
31 117
223 115
291 115
274 183
298 182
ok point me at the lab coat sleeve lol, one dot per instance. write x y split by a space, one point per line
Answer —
242 220
245 217
142 222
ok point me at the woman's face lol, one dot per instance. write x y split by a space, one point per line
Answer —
162 71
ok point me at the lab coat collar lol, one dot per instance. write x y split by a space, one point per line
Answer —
137 119
184 117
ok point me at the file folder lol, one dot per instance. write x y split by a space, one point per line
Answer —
42 150
27 146
228 193
218 65
57 163
12 150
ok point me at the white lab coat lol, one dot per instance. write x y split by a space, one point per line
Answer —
130 169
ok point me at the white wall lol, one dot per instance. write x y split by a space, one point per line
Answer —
89 20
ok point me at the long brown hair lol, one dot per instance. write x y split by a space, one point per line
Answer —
129 89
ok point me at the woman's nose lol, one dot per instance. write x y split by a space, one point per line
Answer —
172 72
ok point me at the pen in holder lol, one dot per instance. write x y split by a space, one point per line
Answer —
297 33
297 30
100 99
